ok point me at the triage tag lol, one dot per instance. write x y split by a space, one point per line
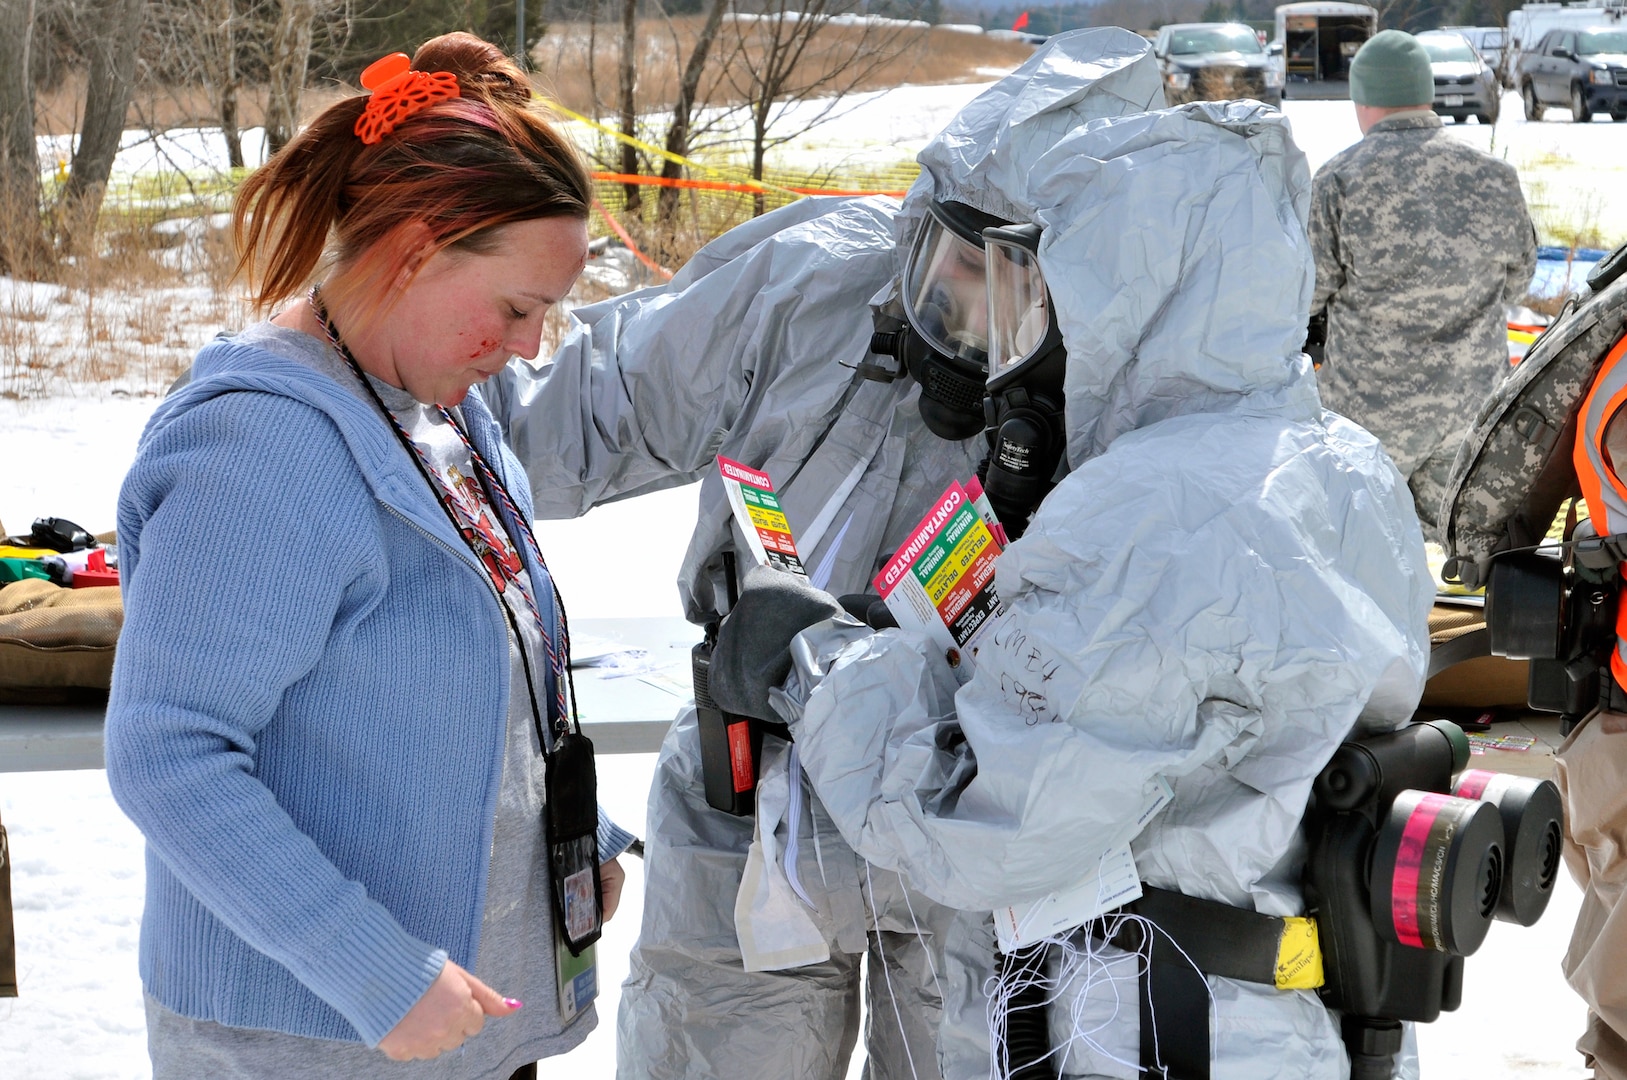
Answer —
1114 883
572 816
941 582
751 495
985 510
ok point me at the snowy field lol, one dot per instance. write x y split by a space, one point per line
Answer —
77 878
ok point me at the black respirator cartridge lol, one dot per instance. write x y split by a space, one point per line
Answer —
1532 840
1437 872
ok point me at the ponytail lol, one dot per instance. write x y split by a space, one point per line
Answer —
285 209
459 168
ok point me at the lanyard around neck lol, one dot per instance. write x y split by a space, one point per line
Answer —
564 708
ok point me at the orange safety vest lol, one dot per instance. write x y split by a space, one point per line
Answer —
1602 487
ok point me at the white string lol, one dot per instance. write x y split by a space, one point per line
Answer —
887 974
1082 964
919 936
819 848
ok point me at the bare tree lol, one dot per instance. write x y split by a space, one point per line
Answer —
629 109
650 71
222 47
110 55
792 54
289 56
23 246
679 131
224 73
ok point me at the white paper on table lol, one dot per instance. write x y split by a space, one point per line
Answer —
588 650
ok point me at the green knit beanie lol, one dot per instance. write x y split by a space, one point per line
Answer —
1392 71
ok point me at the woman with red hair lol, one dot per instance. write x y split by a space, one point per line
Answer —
341 714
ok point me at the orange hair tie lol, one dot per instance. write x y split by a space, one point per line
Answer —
399 93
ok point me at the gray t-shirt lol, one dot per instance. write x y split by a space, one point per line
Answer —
517 941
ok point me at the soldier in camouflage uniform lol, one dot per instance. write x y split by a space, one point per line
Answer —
1419 241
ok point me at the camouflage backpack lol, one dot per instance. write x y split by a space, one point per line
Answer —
1514 470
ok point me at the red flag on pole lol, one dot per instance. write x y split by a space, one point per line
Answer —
1021 23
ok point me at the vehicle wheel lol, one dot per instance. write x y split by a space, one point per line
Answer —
1533 108
1579 110
1459 118
1618 117
1484 119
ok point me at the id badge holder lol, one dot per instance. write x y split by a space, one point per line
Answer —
572 815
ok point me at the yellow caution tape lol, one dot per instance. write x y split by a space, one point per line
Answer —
651 148
1299 956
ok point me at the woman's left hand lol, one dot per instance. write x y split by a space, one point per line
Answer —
611 876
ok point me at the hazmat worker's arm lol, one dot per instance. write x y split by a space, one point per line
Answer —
1086 691
1323 229
647 387
997 793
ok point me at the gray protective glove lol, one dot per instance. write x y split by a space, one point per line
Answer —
754 640
868 608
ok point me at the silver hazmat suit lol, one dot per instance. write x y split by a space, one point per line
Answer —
749 352
1227 584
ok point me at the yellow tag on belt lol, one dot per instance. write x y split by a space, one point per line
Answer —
1299 956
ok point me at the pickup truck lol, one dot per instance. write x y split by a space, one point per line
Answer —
1584 69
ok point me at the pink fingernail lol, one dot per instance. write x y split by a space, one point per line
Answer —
514 1003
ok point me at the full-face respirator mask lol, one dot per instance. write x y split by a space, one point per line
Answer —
975 328
938 332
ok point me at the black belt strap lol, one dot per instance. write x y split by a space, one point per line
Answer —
8 939
1191 938
1174 1015
1218 938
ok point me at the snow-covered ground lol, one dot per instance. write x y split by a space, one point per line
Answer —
77 877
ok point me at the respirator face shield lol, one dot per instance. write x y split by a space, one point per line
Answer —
938 328
1022 324
1023 404
946 301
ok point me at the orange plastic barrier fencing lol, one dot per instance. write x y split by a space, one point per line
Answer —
615 227
747 187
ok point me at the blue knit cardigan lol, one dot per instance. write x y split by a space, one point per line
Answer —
309 703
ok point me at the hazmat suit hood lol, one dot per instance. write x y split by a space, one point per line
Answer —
1201 305
983 157
1198 307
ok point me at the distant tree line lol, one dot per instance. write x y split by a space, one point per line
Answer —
750 55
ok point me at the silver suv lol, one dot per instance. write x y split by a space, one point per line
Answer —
1464 85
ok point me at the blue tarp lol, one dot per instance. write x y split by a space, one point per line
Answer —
1561 270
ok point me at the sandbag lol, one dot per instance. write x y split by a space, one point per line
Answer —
56 644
